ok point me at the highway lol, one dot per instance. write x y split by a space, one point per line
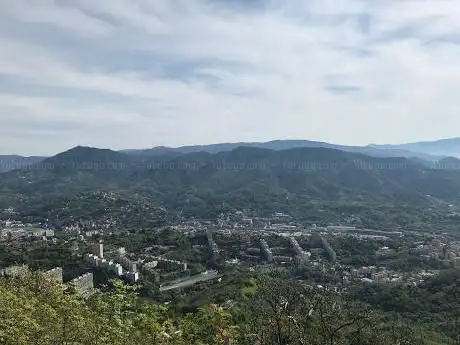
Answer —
183 283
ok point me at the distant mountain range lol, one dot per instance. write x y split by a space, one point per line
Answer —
246 177
443 147
423 152
279 145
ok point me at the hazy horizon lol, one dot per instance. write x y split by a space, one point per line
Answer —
52 153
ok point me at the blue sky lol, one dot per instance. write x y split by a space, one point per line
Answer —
141 73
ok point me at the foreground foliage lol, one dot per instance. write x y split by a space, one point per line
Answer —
279 312
35 311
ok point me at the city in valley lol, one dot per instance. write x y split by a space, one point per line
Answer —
181 253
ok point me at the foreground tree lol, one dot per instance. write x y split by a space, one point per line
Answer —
286 312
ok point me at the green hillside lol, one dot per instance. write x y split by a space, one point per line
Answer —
260 179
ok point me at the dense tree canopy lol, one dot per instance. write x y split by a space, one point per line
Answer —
278 312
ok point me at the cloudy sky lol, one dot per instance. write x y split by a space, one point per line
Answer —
141 73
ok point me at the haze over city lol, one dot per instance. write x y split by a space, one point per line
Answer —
139 73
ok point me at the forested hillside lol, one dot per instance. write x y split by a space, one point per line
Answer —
204 184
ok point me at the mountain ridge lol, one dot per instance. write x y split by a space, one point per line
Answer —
440 147
282 145
428 151
246 177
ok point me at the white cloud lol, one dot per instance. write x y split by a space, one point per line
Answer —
59 17
172 72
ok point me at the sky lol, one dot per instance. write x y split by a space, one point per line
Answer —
140 73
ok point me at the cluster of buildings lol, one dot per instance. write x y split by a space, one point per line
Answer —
302 255
54 275
329 250
373 274
154 268
259 245
122 267
266 251
243 220
363 234
15 230
269 250
168 264
273 239
130 270
83 285
439 249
